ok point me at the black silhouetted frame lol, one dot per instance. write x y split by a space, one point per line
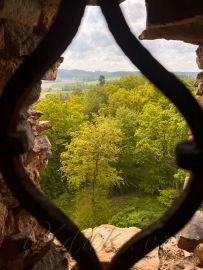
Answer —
13 143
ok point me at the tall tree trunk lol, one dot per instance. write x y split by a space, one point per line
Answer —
178 187
93 187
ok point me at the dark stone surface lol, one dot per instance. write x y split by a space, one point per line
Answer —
192 234
174 20
94 2
16 244
54 258
167 11
190 31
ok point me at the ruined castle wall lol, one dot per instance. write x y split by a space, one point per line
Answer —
23 242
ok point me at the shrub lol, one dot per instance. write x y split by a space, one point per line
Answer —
167 196
133 217
65 203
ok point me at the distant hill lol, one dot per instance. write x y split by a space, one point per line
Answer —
83 75
187 74
78 74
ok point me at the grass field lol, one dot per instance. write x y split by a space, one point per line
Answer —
137 201
44 94
135 210
74 85
68 85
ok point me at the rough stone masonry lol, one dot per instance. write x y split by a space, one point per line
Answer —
24 244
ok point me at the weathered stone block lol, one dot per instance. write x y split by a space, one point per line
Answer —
200 57
33 96
3 216
7 68
108 239
198 253
199 79
192 233
52 72
200 101
47 15
16 244
43 125
2 40
94 2
189 31
200 89
22 11
55 258
19 39
35 115
7 197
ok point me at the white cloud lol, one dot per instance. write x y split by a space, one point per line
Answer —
94 48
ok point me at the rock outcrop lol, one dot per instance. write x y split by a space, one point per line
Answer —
108 239
24 244
180 20
94 2
192 234
198 253
199 81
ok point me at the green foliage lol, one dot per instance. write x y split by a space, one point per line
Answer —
94 99
101 80
65 202
160 128
181 175
77 92
87 165
135 209
127 144
127 121
189 83
70 86
131 217
91 210
66 117
167 197
131 81
90 154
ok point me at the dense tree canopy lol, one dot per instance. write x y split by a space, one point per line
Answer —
117 137
87 165
66 117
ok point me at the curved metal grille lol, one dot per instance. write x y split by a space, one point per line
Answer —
189 154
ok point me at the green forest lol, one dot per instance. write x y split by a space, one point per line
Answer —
113 151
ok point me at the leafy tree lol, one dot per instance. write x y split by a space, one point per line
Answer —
131 82
127 121
63 96
139 211
160 128
101 80
92 208
77 92
95 98
66 117
134 99
132 217
190 84
128 142
87 165
167 196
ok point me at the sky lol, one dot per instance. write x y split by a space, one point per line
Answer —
94 48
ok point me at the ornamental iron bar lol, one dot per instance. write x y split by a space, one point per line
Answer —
189 153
